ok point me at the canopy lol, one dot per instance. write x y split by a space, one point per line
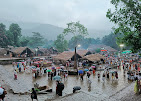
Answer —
58 67
62 67
58 78
77 87
126 51
52 67
49 70
86 70
93 66
80 71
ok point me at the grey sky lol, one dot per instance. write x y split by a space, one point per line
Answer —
91 13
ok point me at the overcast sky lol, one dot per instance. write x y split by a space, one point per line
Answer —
91 13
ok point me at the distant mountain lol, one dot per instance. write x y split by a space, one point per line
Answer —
50 32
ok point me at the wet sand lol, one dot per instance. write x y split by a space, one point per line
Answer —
100 90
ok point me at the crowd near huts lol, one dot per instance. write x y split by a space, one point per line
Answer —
102 47
93 58
67 57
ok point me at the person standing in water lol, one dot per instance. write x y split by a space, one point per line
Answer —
108 75
103 77
98 75
15 75
34 95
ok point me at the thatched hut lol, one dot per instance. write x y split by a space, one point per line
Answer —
65 56
22 52
94 58
53 50
83 53
44 51
3 52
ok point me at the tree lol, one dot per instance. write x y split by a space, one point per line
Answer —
36 40
48 43
76 29
110 40
127 16
15 33
75 40
61 44
24 41
84 42
3 37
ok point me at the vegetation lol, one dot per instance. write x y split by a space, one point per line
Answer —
13 37
127 17
36 40
61 44
84 42
78 31
110 40
3 37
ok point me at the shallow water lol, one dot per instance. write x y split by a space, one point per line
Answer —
99 88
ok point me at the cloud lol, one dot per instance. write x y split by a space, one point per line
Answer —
91 13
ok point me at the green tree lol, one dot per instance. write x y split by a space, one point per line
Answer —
3 37
61 44
24 41
36 40
111 40
75 40
15 33
76 29
84 42
127 15
48 43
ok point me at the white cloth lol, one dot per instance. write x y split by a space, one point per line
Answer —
25 63
15 72
1 91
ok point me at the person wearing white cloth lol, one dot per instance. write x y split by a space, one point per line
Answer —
2 94
1 91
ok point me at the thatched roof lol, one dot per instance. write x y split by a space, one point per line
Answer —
44 50
66 55
82 52
3 51
94 57
19 50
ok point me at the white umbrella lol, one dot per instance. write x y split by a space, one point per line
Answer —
62 67
1 91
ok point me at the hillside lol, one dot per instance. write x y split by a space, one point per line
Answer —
50 32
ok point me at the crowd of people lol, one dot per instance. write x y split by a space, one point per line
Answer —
129 65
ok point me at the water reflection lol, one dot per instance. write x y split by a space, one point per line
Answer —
97 86
103 85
